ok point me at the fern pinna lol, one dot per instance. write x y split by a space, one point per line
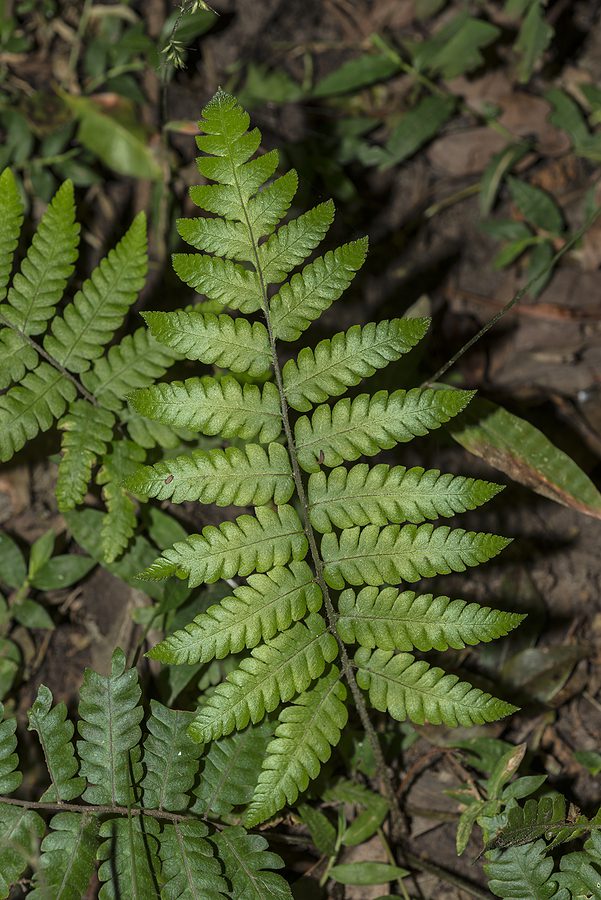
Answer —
319 527
123 797
70 378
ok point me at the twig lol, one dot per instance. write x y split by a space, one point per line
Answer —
103 810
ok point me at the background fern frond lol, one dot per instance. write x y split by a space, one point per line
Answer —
190 869
120 520
88 323
343 360
249 544
110 734
391 619
11 220
55 732
236 344
248 866
214 406
412 689
21 831
379 494
303 741
370 423
87 430
39 285
170 759
68 857
10 777
249 476
256 612
313 290
129 859
273 673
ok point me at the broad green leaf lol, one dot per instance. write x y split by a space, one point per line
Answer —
13 570
412 689
517 448
247 476
304 737
415 128
376 556
391 619
62 571
32 615
274 673
380 494
249 544
536 206
370 423
214 406
342 361
355 74
257 611
455 48
364 873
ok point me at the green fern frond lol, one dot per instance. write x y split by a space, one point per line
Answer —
55 732
249 476
149 434
87 432
129 858
246 545
249 865
256 612
88 323
120 520
523 872
342 361
380 494
21 831
372 422
134 363
293 242
11 220
303 741
10 777
412 689
68 857
110 734
274 672
215 406
31 407
376 556
310 292
236 344
190 870
16 357
220 280
231 768
39 285
170 759
395 620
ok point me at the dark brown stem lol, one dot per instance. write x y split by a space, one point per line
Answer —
101 810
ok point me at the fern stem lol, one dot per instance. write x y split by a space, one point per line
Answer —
108 810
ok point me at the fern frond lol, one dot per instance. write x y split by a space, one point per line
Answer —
39 285
411 689
273 673
149 434
87 431
215 406
68 857
381 494
110 734
31 407
10 777
293 242
170 759
11 220
251 476
370 423
190 870
376 556
309 293
21 831
523 872
269 206
129 859
88 323
248 866
16 357
55 732
235 344
133 364
391 619
228 239
303 741
120 520
231 769
256 612
342 361
235 548
220 280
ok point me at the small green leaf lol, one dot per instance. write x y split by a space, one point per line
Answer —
496 170
590 759
323 833
363 873
40 553
32 615
13 570
537 207
533 39
62 572
356 74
